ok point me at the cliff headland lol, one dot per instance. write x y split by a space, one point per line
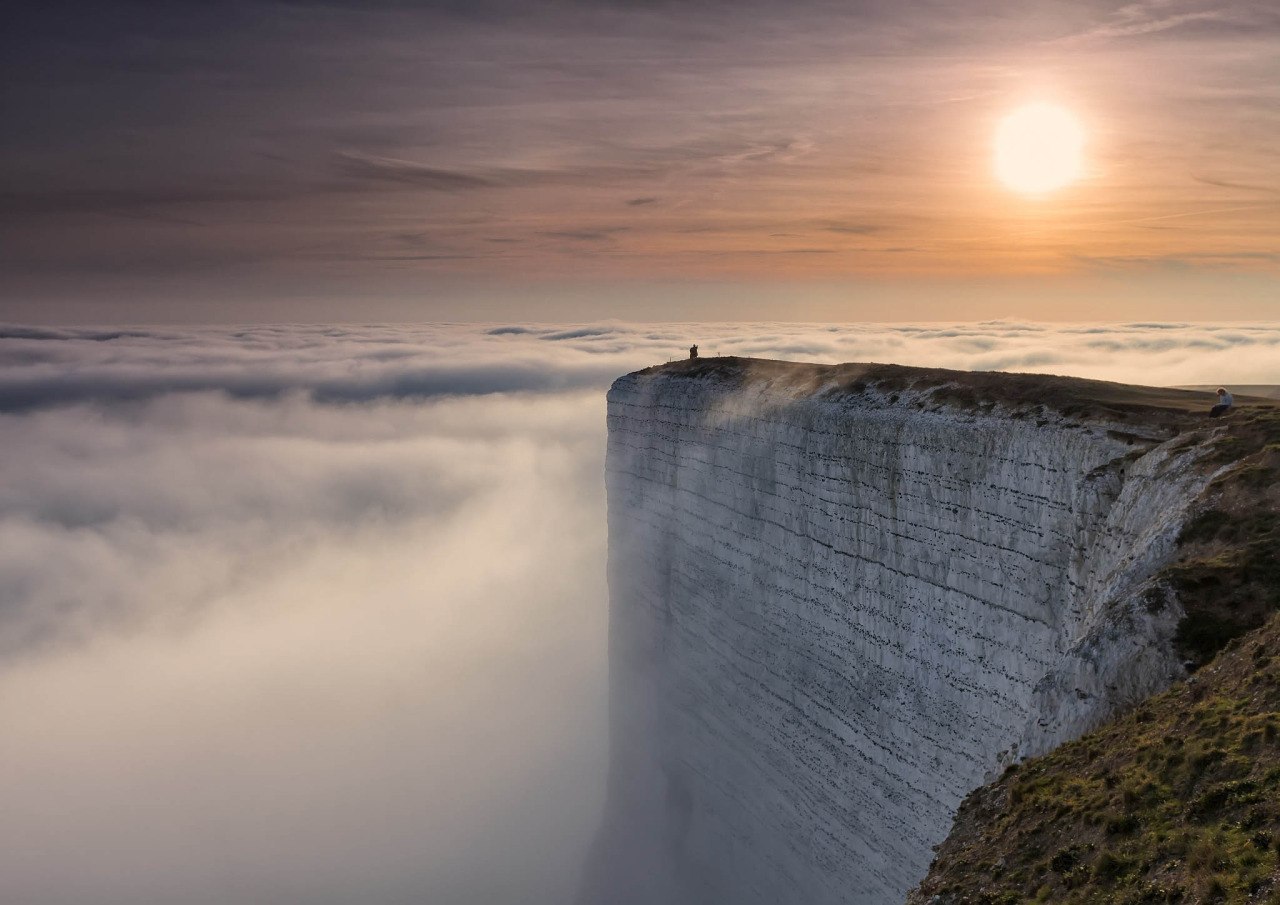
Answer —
845 597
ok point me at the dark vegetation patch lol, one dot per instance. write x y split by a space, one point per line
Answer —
1177 801
1227 574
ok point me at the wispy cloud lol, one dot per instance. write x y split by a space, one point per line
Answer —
1145 19
1242 186
602 234
495 124
403 171
1226 18
855 229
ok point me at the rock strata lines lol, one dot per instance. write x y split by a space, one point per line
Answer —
832 615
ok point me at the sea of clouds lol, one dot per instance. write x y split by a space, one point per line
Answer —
308 614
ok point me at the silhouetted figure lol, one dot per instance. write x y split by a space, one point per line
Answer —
1224 403
693 351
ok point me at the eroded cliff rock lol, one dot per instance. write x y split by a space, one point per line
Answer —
842 598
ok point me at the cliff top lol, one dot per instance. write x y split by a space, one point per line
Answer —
965 389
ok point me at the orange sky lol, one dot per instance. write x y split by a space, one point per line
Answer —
576 160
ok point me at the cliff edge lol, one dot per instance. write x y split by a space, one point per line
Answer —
843 597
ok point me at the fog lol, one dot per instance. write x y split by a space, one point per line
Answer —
318 615
285 652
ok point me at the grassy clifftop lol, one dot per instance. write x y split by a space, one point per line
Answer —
1023 395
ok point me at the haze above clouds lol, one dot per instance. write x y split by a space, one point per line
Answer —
317 614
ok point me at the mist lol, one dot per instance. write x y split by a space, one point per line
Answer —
278 651
319 615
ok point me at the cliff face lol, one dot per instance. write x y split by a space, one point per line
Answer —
1177 799
842 598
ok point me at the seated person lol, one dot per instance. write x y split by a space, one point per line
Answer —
1224 403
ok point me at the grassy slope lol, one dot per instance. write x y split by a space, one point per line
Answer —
1178 800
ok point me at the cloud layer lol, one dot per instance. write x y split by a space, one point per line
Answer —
285 651
317 615
43 366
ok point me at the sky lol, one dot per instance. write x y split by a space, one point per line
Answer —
318 614
331 161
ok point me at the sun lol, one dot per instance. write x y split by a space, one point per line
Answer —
1039 148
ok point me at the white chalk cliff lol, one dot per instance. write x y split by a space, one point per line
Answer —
840 601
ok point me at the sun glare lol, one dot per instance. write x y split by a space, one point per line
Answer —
1039 149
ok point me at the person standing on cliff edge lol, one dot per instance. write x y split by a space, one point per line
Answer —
693 351
1224 403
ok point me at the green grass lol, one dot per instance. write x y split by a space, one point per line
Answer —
1178 801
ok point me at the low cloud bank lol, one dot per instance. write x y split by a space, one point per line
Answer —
42 367
317 614
282 651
